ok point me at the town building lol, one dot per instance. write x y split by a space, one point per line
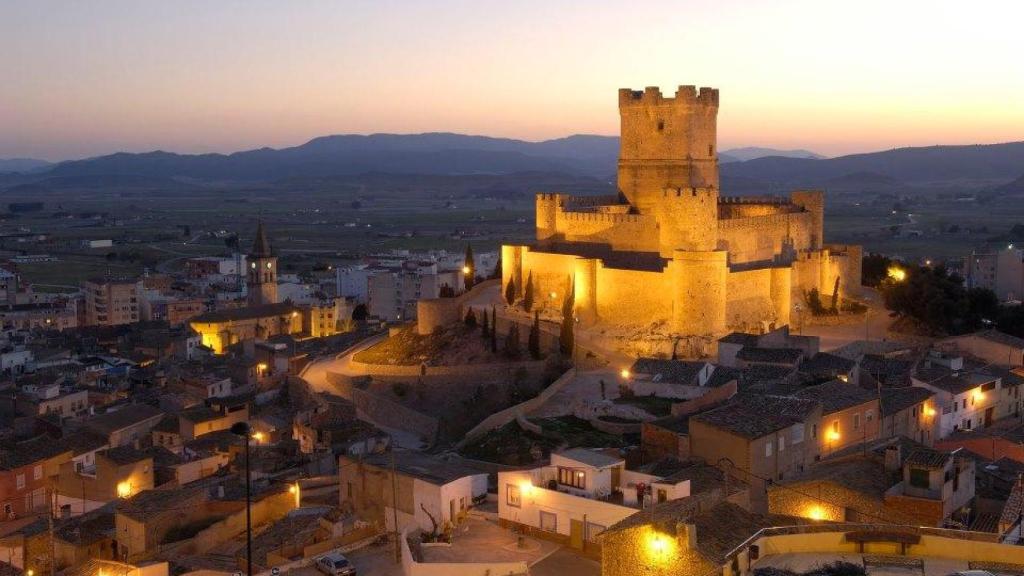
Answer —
721 263
849 415
112 301
584 491
899 482
26 468
967 394
990 345
419 490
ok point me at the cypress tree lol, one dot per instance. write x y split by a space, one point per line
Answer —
494 330
510 292
485 326
512 342
534 343
528 293
835 297
471 318
566 337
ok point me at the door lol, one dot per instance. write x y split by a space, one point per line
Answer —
988 416
452 517
576 534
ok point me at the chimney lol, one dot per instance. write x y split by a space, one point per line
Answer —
686 535
893 458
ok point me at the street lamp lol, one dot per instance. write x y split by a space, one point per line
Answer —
242 429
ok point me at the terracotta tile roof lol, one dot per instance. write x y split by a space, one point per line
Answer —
754 416
894 400
837 395
246 313
672 371
770 355
927 458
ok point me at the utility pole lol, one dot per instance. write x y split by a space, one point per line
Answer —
49 519
394 506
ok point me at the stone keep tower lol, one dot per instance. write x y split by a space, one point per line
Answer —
262 277
666 143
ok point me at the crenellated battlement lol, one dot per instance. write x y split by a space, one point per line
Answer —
782 200
688 192
608 217
551 196
685 95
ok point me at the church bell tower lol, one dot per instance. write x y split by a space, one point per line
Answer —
262 276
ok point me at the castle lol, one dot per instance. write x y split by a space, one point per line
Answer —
669 250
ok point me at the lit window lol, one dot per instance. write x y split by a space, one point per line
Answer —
572 478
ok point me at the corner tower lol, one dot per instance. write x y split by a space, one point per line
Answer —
666 143
262 277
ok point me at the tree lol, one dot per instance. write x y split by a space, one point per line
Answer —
469 268
874 269
937 301
470 318
494 330
359 313
814 302
510 292
534 342
485 329
528 293
567 336
512 349
496 273
835 297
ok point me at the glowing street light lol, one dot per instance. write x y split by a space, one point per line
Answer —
297 491
124 489
258 437
896 273
816 513
625 374
466 270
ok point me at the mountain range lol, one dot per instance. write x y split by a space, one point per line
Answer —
742 169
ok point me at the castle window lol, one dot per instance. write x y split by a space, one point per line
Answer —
711 149
661 125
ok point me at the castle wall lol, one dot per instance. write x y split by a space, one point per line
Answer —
633 297
687 220
761 238
749 301
699 292
552 276
624 232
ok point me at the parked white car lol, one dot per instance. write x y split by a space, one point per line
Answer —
335 564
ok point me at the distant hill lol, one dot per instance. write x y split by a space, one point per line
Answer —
579 155
22 164
908 165
434 153
754 152
1014 187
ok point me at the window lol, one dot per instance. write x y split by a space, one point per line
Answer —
593 531
856 421
20 481
798 433
572 478
512 496
869 415
782 443
8 511
767 449
835 426
814 431
37 473
918 478
548 522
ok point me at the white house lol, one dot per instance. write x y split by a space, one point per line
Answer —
967 395
580 493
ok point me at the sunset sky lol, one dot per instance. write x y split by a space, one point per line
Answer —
84 78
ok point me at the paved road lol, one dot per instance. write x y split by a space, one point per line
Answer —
565 563
316 372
